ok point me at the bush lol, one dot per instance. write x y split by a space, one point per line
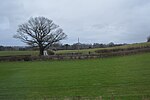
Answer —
50 52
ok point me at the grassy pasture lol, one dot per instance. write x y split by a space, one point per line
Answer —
128 78
11 53
84 51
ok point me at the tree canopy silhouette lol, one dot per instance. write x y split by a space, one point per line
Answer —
148 39
40 32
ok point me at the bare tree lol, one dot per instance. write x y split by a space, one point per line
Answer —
40 32
148 39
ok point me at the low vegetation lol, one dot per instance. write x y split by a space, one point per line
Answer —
127 78
83 51
11 53
86 51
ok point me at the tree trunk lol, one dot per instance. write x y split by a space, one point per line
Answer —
41 52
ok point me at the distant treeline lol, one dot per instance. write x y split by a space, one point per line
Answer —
15 48
59 46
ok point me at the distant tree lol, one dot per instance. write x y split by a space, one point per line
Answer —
66 46
40 32
1 48
111 44
148 39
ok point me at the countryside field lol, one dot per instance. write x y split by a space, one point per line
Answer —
86 51
83 51
13 53
127 78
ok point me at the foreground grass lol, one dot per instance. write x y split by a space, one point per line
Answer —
128 78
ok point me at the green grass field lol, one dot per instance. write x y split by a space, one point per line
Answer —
128 78
83 51
11 53
86 51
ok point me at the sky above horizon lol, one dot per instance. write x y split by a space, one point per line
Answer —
93 21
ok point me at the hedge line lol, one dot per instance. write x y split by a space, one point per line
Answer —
75 56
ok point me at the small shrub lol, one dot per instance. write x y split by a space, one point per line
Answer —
50 52
28 58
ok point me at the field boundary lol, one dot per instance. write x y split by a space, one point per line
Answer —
73 56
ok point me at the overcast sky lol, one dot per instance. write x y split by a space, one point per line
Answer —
93 21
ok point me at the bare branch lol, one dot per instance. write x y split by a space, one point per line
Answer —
40 31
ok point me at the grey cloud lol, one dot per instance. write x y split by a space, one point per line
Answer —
120 21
